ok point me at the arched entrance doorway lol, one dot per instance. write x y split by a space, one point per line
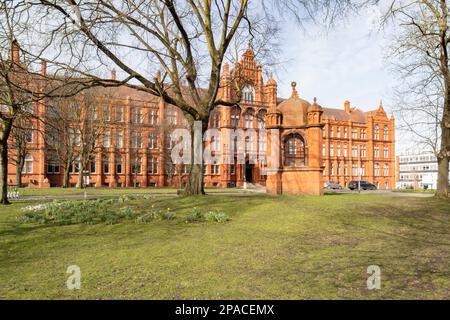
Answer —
248 172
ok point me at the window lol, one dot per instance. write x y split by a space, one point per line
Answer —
94 111
152 166
75 136
92 167
338 150
363 151
215 143
235 117
377 170
119 113
136 165
376 152
324 150
363 133
262 119
233 169
363 170
105 164
295 154
338 132
248 93
332 169
331 150
169 143
107 139
28 165
248 119
338 169
376 132
354 133
106 113
345 169
323 133
345 132
354 151
153 141
386 133
171 117
153 117
331 132
119 140
29 133
75 166
136 140
215 119
386 170
345 150
53 167
215 169
136 116
386 152
354 170
119 162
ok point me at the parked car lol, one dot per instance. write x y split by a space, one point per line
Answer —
364 185
330 185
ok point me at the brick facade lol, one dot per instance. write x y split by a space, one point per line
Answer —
332 139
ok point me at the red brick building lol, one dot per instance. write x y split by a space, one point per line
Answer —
317 144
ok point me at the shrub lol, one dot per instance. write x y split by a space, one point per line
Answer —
216 216
197 215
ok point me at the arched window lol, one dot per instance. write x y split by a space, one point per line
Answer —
215 119
377 132
248 117
386 133
377 170
119 161
28 165
262 119
248 93
294 151
235 117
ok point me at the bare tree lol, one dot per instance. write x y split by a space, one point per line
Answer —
20 139
19 87
188 40
421 58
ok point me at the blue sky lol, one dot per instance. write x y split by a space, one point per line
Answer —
347 62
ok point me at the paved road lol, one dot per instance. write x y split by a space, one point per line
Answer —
400 194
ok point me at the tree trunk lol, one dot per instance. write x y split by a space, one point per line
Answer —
66 174
442 183
4 171
80 183
19 169
194 185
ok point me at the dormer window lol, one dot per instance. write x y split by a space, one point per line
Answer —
248 93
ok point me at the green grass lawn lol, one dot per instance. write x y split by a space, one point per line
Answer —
273 248
109 191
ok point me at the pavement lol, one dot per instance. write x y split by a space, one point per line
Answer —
242 192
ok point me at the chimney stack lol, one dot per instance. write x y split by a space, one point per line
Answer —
347 106
15 51
44 68
113 74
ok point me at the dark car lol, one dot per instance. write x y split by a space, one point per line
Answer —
330 185
364 185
